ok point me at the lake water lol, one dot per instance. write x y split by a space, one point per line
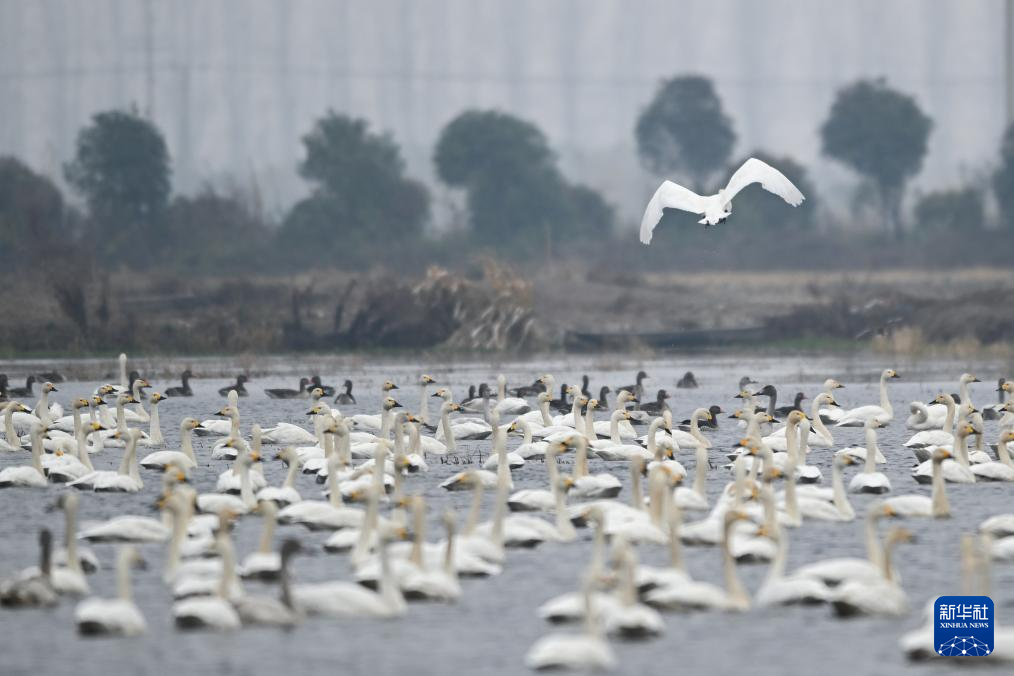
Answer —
491 628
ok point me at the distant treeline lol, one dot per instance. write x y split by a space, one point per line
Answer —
364 211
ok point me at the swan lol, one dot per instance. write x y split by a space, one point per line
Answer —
287 434
331 514
1000 470
118 616
647 578
620 451
870 480
68 578
717 208
509 405
932 436
883 596
155 428
12 442
681 438
436 583
539 499
695 498
219 427
286 494
818 435
956 471
781 590
805 473
628 617
936 506
348 599
528 450
463 481
835 571
710 530
831 412
539 417
583 652
589 486
423 414
126 479
267 611
822 503
265 563
217 502
184 458
36 590
229 479
27 476
884 413
693 595
213 612
647 526
570 606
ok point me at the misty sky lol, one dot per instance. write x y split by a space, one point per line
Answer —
235 83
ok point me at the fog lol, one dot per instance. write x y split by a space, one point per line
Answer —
234 83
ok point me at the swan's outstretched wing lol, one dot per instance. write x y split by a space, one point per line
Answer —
772 180
668 196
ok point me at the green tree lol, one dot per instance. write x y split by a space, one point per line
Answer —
756 206
882 134
121 167
361 196
31 213
515 191
1003 179
685 131
959 209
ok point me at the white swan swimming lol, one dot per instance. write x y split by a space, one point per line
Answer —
835 571
628 617
1002 469
716 208
881 597
12 442
779 589
953 471
127 479
582 652
884 413
27 476
118 616
184 457
509 405
870 480
936 506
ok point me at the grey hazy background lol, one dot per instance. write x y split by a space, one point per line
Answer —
233 84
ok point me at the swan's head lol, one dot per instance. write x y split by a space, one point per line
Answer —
157 397
625 396
544 398
442 393
573 390
967 378
97 401
426 380
80 403
390 403
316 393
388 386
843 460
318 409
96 427
941 454
593 404
191 424
227 412
873 423
49 387
450 407
890 374
1006 386
105 390
581 400
832 384
1007 436
796 417
898 535
966 430
744 394
287 455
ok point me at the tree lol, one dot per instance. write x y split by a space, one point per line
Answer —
121 167
1003 179
685 131
213 232
757 207
515 191
959 209
361 196
31 213
882 134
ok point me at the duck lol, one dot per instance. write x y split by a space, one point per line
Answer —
239 387
884 412
882 597
637 389
23 392
183 390
285 393
32 591
346 398
870 480
117 616
658 406
687 382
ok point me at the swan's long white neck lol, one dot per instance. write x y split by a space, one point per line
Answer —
544 410
135 390
123 371
1001 452
155 427
940 504
334 494
614 427
37 449
123 562
700 469
563 525
841 500
652 432
733 586
818 424
885 401
445 425
589 424
871 450
777 570
70 536
187 442
581 458
874 552
42 408
12 437
424 404
949 420
82 442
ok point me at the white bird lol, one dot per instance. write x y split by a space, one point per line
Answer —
118 616
717 208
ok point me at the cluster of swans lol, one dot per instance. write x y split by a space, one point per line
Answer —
766 487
